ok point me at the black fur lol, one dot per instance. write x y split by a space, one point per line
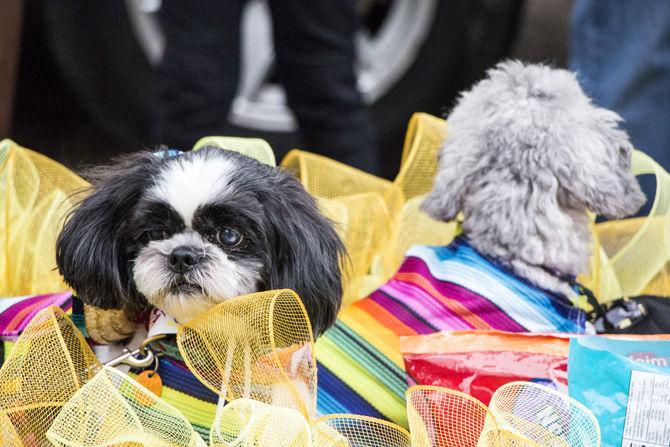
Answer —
90 250
306 250
284 229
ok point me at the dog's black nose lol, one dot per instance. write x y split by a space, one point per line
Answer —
183 259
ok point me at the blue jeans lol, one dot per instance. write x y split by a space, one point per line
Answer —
620 50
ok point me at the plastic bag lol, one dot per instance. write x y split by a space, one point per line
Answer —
626 384
479 362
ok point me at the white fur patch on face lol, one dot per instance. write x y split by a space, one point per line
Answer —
217 276
189 183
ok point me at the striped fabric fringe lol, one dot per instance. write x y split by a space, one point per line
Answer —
16 312
437 288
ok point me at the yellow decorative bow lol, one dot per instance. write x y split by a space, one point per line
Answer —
35 194
49 363
521 414
257 353
378 219
631 255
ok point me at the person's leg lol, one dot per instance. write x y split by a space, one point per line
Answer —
199 70
315 57
620 50
10 39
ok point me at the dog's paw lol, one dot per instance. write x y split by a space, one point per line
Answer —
107 326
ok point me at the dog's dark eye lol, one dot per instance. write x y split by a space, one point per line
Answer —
229 237
155 235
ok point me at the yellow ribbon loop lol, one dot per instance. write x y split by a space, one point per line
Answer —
631 256
113 409
251 147
257 346
35 194
378 219
48 364
521 414
246 422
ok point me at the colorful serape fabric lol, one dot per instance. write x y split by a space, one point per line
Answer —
16 312
437 288
360 365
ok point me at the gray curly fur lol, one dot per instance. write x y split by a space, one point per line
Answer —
526 157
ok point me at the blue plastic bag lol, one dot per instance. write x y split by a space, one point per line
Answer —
626 384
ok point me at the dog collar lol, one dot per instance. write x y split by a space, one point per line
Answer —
160 324
584 299
167 153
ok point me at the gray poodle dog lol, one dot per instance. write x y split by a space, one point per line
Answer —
526 158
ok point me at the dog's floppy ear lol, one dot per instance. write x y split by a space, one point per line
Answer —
456 167
601 176
462 156
306 251
90 251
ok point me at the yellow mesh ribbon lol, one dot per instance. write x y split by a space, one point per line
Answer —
34 197
251 147
257 351
520 414
378 219
631 256
424 137
269 381
48 364
257 346
112 409
245 422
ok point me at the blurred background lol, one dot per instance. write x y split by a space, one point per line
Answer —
84 81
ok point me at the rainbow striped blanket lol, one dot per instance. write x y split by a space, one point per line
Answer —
360 365
437 288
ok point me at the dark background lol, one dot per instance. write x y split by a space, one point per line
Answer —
84 90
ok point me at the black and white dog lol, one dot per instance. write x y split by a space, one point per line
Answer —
185 233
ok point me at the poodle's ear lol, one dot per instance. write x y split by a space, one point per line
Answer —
454 174
600 176
306 251
90 250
